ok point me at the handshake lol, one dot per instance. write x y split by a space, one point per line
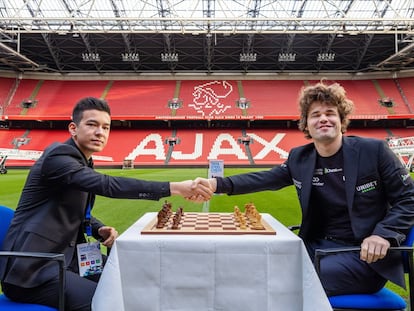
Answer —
197 190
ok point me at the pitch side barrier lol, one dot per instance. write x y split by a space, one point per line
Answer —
404 149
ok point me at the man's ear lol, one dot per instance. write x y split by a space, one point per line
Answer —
72 128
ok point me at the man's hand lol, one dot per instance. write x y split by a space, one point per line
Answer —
199 184
186 189
210 183
108 234
374 248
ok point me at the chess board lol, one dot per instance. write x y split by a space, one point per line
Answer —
206 223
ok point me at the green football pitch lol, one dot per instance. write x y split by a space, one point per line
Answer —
122 213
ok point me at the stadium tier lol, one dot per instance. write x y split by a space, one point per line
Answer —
141 99
6 87
188 100
181 147
272 98
405 86
389 89
194 99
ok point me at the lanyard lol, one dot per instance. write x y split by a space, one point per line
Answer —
88 225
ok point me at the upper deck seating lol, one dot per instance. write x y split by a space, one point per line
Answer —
23 92
57 98
6 85
408 90
272 98
52 98
203 99
140 98
391 91
365 97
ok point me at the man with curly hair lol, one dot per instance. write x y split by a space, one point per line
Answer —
353 191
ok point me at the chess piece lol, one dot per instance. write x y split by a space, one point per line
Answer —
164 215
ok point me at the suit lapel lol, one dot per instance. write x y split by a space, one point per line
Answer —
351 155
307 167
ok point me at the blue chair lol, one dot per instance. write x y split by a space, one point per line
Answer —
6 215
384 299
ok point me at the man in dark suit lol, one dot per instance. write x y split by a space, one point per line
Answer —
352 191
54 211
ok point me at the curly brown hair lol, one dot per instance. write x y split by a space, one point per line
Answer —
333 94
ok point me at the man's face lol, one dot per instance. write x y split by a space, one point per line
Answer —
324 122
91 134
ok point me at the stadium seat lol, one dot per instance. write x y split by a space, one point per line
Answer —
384 299
6 215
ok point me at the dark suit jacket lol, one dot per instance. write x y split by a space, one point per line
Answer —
387 209
51 210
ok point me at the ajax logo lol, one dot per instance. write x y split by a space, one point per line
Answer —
208 98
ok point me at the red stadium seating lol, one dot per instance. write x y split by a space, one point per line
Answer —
56 98
140 98
406 85
6 86
364 95
391 92
24 91
273 97
201 99
53 99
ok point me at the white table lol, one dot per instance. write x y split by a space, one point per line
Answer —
209 272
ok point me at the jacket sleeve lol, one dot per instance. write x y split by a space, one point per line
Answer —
65 167
399 191
273 179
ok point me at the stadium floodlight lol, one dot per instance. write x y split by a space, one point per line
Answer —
248 57
91 57
287 57
169 57
130 57
326 57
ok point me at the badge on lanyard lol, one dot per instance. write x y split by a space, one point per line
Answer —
89 254
89 258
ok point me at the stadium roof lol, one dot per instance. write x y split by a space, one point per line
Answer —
206 36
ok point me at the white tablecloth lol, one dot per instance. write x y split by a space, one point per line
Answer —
209 272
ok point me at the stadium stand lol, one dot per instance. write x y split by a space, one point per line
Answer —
140 98
6 89
56 98
405 86
190 147
390 91
195 101
215 99
364 95
272 98
24 90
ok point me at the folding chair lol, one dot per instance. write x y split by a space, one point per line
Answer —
384 299
6 215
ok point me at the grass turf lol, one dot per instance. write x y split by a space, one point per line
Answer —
121 213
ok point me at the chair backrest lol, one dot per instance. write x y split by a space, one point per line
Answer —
6 215
409 241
